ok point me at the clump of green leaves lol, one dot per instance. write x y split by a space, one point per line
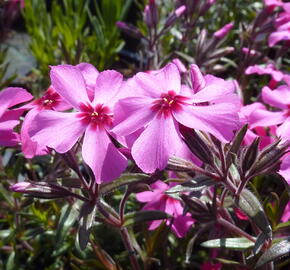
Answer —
72 31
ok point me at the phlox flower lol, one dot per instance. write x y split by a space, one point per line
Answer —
10 97
251 115
157 104
50 100
93 118
282 24
276 75
278 98
157 199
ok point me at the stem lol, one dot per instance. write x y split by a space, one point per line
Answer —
127 243
122 206
110 217
234 229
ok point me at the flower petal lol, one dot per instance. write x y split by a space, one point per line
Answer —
275 37
69 82
8 138
132 114
279 97
156 144
57 130
263 118
30 148
220 119
12 96
107 87
105 160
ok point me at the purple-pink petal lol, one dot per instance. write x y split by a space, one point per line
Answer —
57 130
69 82
131 114
12 96
279 97
156 144
107 87
30 148
98 151
276 37
220 120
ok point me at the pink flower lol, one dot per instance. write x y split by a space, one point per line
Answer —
282 32
158 200
94 119
159 103
50 100
255 115
279 98
276 75
10 118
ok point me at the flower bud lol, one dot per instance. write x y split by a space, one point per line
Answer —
179 64
129 29
174 16
197 145
198 209
221 33
41 190
196 77
151 14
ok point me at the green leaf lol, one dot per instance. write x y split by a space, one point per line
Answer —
197 184
224 261
142 216
283 225
68 217
275 252
239 243
87 216
251 206
11 262
125 179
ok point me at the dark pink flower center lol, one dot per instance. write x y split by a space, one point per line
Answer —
98 116
49 100
167 103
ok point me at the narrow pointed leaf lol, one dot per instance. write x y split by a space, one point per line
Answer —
69 215
239 243
87 215
125 179
251 206
236 143
277 251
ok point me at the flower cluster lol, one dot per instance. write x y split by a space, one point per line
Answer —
143 113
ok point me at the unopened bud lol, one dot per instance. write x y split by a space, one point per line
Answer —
269 159
221 52
206 6
151 14
174 16
41 190
179 165
129 29
179 64
198 209
221 33
197 79
197 145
